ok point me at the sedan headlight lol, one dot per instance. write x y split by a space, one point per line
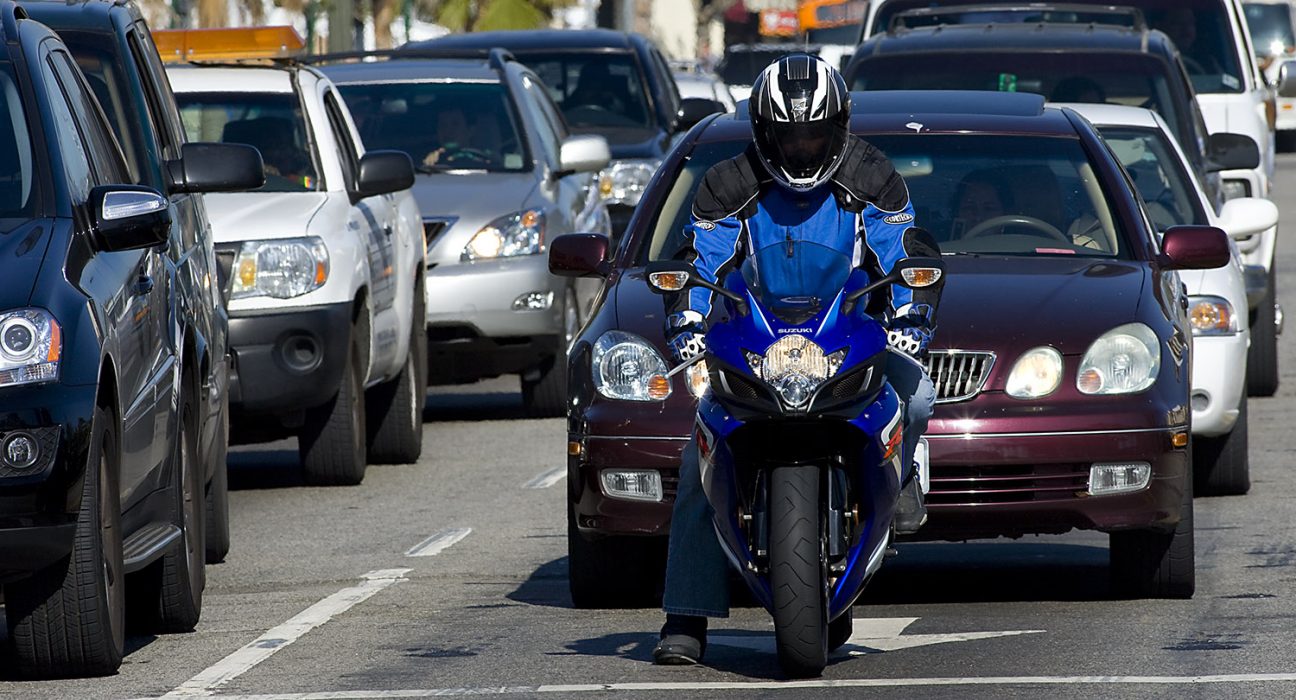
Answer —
1038 373
1210 315
627 368
795 366
1124 360
282 268
624 182
30 346
519 233
1235 189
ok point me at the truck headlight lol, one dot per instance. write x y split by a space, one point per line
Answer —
628 368
282 268
31 343
1037 373
519 233
624 182
1210 315
1124 360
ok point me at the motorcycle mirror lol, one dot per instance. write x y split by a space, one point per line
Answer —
671 276
919 273
668 281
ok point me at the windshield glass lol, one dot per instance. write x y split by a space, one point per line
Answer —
742 66
976 193
796 279
1271 28
442 126
15 149
1060 77
1159 176
595 91
271 122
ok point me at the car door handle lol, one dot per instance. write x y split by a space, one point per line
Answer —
143 285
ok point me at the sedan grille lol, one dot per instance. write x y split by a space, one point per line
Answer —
953 485
958 375
432 228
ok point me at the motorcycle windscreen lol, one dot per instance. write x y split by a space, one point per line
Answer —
795 280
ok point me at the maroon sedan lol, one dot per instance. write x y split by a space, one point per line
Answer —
1061 360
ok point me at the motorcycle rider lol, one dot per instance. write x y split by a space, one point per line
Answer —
804 177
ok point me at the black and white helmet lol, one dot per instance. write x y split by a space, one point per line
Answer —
800 115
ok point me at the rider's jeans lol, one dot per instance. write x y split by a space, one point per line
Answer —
696 581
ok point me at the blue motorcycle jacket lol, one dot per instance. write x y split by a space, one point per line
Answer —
864 211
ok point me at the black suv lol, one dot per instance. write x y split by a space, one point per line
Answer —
99 468
113 47
1121 62
613 84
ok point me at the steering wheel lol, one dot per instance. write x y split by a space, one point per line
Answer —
468 153
1017 220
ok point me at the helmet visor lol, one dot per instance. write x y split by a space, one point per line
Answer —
803 149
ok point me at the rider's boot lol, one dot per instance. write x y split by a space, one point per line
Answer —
683 641
911 508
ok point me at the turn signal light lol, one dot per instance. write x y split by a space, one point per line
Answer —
921 276
658 387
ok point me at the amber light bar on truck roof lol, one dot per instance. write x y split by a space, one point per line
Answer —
237 43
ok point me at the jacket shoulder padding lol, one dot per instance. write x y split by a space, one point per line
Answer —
866 177
730 188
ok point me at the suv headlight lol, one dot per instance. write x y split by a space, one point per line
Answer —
1124 360
624 182
1037 373
628 368
282 268
1209 315
520 233
795 366
30 346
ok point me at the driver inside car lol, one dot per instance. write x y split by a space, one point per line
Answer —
805 177
453 135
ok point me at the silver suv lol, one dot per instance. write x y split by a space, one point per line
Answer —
499 176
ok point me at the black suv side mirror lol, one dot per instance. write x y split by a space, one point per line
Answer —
382 172
695 109
216 167
129 217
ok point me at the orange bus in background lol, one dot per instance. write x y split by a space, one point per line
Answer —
832 21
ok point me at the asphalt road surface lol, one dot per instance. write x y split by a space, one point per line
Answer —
449 577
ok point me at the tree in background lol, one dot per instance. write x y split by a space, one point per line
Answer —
488 15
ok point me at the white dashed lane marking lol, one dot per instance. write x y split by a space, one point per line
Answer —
547 479
438 542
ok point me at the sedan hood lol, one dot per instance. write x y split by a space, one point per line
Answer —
250 216
629 142
1008 305
21 253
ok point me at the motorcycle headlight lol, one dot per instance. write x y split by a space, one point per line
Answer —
283 268
795 366
1124 360
519 233
1208 315
1037 373
628 368
30 346
624 182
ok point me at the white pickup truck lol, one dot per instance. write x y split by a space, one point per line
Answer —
323 271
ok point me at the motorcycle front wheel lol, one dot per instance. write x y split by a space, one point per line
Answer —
798 573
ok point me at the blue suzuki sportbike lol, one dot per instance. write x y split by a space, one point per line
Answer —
800 436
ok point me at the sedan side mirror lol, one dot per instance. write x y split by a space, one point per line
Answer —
129 217
695 109
579 255
383 172
1226 151
1287 79
216 167
583 154
1194 248
1246 216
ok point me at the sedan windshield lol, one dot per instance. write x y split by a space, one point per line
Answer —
271 122
976 193
1158 174
595 91
442 126
1271 28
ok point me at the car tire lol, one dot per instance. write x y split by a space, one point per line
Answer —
798 578
1220 464
614 572
1262 356
395 410
216 525
68 620
167 596
1155 564
546 397
840 630
332 441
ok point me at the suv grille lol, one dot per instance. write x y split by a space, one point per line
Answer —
958 375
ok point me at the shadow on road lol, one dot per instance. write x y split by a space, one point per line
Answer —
460 403
264 469
992 571
546 586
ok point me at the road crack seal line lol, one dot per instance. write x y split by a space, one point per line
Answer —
265 646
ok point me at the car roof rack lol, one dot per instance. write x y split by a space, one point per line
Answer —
11 13
496 57
1048 13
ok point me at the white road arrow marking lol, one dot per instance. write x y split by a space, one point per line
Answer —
873 635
